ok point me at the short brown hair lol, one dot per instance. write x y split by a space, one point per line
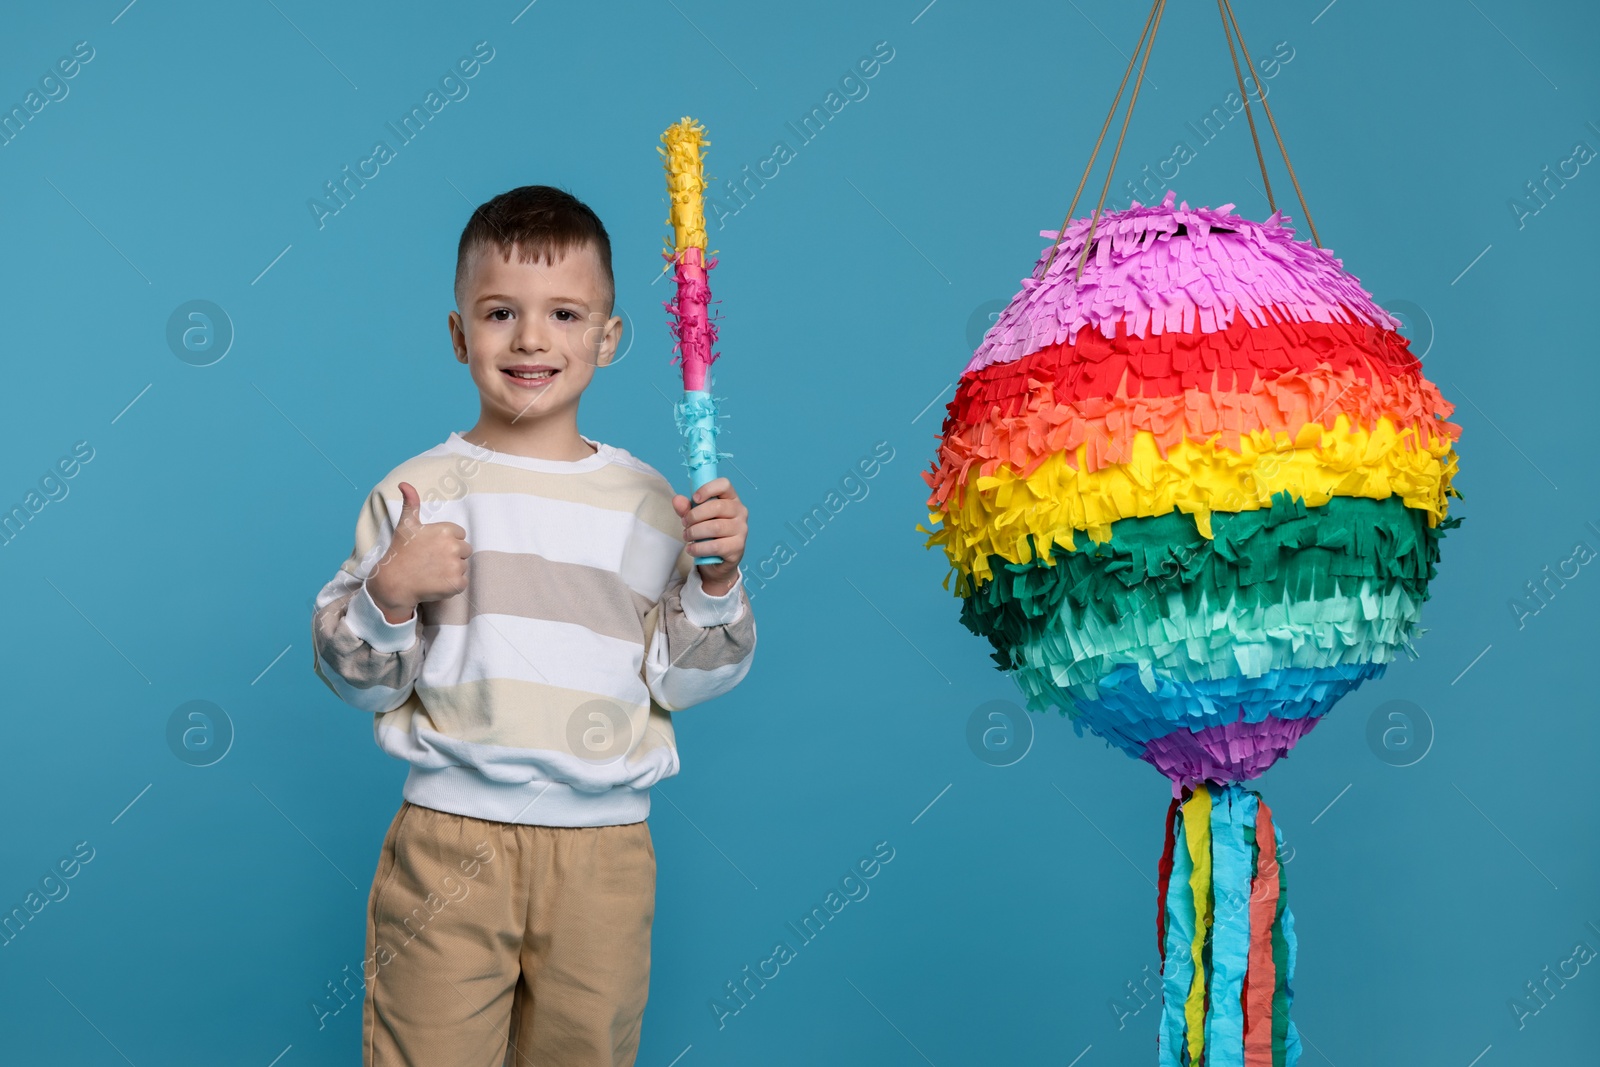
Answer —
542 223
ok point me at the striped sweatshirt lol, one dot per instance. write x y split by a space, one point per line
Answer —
542 693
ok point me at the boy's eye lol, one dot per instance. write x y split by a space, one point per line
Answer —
570 316
497 312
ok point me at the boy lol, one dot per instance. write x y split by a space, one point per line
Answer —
522 638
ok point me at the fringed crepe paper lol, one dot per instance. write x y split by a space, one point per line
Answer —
693 329
1192 498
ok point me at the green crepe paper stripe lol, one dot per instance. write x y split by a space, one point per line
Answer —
1255 556
1280 965
1365 624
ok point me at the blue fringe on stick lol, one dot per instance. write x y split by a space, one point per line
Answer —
696 416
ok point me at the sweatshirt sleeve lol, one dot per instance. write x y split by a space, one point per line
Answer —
702 645
369 662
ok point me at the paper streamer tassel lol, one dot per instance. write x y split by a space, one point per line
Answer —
1226 935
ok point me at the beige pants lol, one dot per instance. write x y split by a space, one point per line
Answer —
502 944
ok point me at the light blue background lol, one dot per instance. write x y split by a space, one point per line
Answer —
1019 903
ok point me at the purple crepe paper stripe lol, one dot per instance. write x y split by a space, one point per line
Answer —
1233 752
1157 285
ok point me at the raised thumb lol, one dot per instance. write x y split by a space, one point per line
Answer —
409 507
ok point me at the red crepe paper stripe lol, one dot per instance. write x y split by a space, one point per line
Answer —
1164 876
1260 977
1284 405
1280 378
1170 363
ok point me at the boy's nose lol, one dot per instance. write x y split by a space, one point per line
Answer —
532 336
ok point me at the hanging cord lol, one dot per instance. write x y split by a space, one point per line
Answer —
1245 96
1161 6
1145 45
1148 22
1228 11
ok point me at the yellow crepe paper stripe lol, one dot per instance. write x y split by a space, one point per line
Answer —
684 159
1197 834
1196 478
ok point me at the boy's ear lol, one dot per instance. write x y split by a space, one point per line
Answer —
610 335
458 337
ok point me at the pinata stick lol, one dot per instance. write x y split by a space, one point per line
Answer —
684 160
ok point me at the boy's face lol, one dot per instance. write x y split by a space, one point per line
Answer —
517 321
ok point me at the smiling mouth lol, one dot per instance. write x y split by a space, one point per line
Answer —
530 379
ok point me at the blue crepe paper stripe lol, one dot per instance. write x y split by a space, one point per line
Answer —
1230 926
1130 716
1177 972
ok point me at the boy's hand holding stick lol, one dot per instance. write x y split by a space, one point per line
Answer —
718 520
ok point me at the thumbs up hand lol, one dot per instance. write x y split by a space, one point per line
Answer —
425 562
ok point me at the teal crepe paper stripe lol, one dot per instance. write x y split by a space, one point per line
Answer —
1177 972
1361 623
1230 927
1048 675
696 418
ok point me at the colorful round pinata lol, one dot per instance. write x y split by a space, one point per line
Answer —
1192 497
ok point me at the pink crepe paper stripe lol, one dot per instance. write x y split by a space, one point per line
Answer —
696 333
1158 285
